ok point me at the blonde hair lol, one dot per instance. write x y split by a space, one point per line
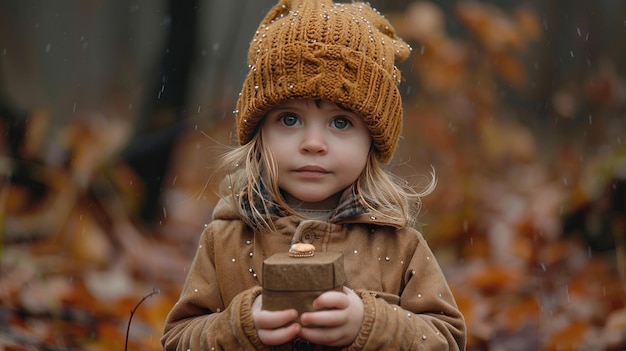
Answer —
249 174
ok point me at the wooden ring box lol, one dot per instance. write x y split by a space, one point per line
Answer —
294 282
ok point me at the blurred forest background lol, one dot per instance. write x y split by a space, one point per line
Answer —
111 113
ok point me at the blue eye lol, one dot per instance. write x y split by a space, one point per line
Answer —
289 119
341 123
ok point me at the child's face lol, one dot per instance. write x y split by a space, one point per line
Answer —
320 149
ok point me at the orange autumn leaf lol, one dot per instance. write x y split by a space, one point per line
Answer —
518 313
510 68
108 336
87 240
493 278
476 312
443 64
528 22
493 28
424 21
570 338
156 309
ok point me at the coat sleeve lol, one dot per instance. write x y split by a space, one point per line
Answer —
426 316
200 321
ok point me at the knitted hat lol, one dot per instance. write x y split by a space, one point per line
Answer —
345 53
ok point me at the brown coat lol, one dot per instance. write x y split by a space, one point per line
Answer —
408 304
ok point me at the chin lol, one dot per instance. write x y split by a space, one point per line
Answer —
313 199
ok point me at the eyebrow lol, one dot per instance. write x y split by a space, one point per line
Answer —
318 103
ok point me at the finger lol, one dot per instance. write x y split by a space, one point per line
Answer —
324 318
331 300
265 319
272 337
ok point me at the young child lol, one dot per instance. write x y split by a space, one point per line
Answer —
318 119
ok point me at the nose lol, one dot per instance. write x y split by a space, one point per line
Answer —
314 141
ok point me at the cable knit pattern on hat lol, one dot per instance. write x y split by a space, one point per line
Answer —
346 53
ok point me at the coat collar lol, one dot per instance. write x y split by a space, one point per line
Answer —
350 210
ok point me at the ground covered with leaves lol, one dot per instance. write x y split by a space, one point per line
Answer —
528 219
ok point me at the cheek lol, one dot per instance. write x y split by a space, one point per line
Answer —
271 140
361 161
357 154
281 151
363 150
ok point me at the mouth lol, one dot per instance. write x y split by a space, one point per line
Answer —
311 170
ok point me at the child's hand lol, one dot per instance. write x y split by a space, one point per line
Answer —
337 321
272 326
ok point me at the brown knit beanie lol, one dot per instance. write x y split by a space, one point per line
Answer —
345 53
